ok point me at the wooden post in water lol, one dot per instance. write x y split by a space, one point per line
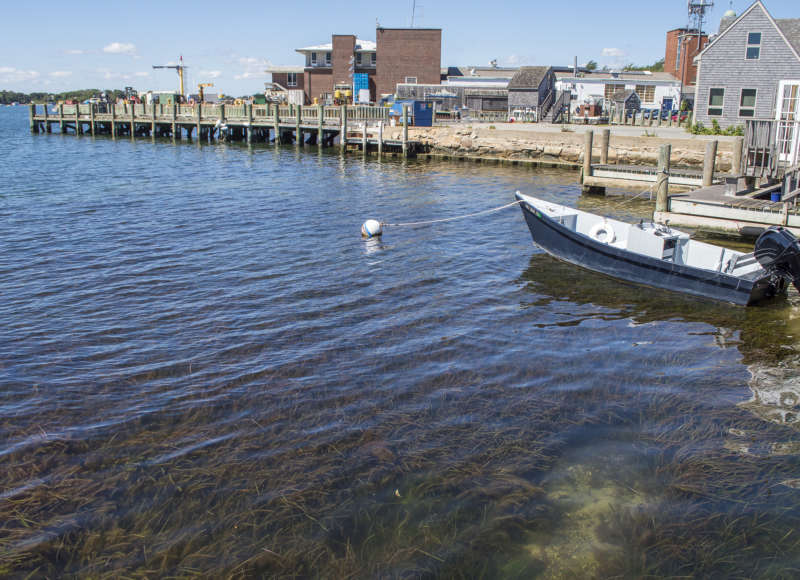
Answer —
32 113
61 118
222 121
738 147
91 118
133 121
364 138
320 120
708 163
113 108
380 139
587 155
174 125
297 130
248 109
405 130
46 122
605 137
198 117
662 183
276 123
77 119
343 134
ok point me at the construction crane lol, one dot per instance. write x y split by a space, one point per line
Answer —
201 86
178 67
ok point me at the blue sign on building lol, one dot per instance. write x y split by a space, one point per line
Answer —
360 81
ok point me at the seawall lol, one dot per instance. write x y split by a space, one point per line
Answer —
548 144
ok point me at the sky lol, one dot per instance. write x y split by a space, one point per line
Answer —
57 46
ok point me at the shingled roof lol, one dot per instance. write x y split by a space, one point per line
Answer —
791 30
528 77
622 95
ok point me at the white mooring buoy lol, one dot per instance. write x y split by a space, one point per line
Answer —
371 229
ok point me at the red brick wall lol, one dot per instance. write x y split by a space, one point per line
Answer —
318 81
686 70
283 80
344 48
407 52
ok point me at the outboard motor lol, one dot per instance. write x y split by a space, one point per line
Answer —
777 250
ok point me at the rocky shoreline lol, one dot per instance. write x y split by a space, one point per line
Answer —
564 148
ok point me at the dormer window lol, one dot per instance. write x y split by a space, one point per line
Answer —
313 58
373 58
358 58
328 58
753 46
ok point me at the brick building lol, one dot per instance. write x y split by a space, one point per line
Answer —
398 55
682 46
407 55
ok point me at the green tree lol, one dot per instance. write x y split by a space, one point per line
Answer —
657 66
591 65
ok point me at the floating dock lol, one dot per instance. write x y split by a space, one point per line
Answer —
361 126
711 208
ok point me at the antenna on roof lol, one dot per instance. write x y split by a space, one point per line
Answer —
697 14
413 11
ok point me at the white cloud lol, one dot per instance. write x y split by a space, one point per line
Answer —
210 74
141 74
614 52
517 60
74 51
253 68
120 48
60 74
13 75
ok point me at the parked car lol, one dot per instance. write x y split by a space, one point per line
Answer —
683 115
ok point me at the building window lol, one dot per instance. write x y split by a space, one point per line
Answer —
358 58
747 103
753 46
715 99
610 89
291 80
328 58
647 93
411 80
313 58
678 55
373 58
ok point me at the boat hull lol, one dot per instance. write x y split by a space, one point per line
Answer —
572 247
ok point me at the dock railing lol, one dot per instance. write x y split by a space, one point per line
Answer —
208 113
770 147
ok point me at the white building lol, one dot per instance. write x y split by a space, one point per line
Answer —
656 90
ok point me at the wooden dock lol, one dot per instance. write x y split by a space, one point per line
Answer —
711 208
762 192
324 126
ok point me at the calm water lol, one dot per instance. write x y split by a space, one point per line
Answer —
205 371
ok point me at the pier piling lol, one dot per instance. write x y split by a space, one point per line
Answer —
405 130
605 137
709 162
587 155
662 184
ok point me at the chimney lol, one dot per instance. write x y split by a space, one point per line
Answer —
575 67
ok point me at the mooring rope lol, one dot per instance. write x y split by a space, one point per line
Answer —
453 218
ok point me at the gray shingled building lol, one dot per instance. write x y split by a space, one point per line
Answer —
743 69
531 88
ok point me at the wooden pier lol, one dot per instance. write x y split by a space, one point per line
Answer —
324 126
763 190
